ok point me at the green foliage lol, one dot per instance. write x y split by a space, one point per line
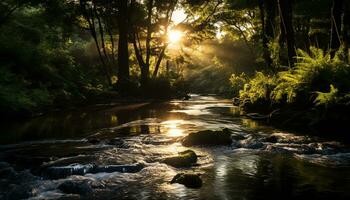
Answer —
314 72
40 65
237 82
316 79
326 98
16 97
258 88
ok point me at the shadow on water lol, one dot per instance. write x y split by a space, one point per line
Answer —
107 137
79 123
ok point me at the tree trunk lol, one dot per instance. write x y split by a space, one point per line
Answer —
123 53
159 61
266 53
346 30
270 9
286 17
336 15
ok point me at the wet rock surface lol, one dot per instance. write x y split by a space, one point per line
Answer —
208 137
188 179
76 187
186 158
78 169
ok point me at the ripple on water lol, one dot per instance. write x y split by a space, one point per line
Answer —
252 167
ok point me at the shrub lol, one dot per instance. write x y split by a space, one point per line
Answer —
258 88
313 74
237 83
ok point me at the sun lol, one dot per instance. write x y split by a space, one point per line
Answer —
175 36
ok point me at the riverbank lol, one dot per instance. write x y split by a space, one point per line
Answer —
331 122
112 98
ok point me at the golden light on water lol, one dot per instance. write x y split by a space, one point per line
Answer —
172 128
175 132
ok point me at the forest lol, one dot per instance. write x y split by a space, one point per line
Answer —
268 75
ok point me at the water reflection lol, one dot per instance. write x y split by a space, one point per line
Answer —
150 133
250 123
172 128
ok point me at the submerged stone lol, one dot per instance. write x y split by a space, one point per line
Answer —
119 168
208 137
184 159
250 143
71 187
188 180
78 169
65 171
93 141
271 139
237 137
22 191
119 143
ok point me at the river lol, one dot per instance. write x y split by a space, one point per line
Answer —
296 166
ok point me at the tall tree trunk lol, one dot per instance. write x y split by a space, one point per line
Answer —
336 15
145 67
346 30
270 9
265 41
286 17
123 53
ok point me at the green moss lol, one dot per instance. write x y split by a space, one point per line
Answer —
184 159
208 137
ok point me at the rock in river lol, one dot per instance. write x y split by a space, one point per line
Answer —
271 139
188 180
70 187
78 169
183 159
208 137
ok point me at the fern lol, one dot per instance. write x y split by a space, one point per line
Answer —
327 98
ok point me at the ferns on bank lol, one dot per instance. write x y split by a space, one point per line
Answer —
258 88
317 78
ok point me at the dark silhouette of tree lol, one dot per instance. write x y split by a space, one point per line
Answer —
287 30
123 52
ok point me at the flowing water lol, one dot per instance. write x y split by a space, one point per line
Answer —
293 167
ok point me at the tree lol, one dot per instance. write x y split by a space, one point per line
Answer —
150 25
287 30
91 12
336 24
123 52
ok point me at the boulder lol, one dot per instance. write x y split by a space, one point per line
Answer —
183 159
208 137
188 180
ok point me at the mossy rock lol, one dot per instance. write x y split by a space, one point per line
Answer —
208 137
188 180
184 159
